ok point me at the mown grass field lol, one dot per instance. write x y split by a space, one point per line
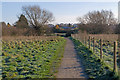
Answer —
31 57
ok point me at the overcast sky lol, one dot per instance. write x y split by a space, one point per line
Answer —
64 12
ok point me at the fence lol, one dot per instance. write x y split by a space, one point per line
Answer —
107 48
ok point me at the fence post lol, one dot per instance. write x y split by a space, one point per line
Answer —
101 48
114 57
85 40
118 51
79 38
93 44
89 42
119 46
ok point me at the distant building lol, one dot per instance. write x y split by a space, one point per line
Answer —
75 25
51 25
8 25
57 26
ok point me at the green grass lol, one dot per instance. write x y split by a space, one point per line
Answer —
31 58
107 49
94 67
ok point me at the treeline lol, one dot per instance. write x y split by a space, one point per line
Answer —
22 31
99 22
33 21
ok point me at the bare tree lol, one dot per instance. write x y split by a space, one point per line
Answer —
37 17
98 21
98 17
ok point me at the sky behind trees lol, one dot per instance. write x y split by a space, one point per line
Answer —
64 12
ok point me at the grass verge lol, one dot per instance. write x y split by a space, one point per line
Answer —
57 61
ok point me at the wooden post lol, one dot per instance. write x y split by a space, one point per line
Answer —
85 40
79 37
119 46
119 50
89 42
114 57
101 49
93 44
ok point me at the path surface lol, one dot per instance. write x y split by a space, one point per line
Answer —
70 65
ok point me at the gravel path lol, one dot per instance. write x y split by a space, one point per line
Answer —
70 66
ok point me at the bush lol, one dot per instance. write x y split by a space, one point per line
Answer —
13 31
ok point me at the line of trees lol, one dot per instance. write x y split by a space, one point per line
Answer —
35 19
117 29
98 22
22 22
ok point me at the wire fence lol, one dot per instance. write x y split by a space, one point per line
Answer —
107 47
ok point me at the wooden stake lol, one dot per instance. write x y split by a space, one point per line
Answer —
93 45
114 56
89 42
101 49
85 41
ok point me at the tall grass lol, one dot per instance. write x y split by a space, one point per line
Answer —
11 38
